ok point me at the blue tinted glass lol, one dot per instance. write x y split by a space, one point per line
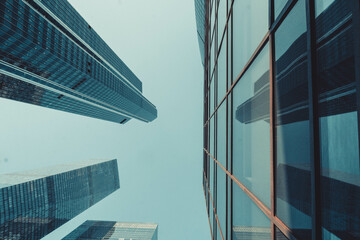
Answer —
221 134
251 128
221 19
339 140
221 198
292 119
249 222
278 6
222 73
250 24
280 235
212 136
212 95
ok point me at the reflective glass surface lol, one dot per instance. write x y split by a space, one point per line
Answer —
279 6
221 198
249 222
293 187
251 128
340 180
221 134
222 73
250 24
221 19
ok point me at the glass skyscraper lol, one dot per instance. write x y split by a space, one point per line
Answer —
34 203
281 118
98 230
51 57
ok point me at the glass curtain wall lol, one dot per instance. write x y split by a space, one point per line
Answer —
281 119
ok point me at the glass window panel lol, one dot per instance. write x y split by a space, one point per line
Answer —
249 222
221 198
279 6
250 19
251 128
292 119
222 73
221 134
280 235
212 136
229 227
229 135
229 74
221 19
338 122
212 95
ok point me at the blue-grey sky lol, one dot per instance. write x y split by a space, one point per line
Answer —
160 163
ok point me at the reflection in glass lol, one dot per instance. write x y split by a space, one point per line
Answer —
280 235
279 6
249 222
221 73
250 24
221 198
221 19
293 187
251 128
338 121
221 134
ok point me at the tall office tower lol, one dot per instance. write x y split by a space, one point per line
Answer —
34 203
281 118
51 57
114 231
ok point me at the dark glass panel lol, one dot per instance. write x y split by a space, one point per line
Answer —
250 20
249 222
338 120
251 128
293 184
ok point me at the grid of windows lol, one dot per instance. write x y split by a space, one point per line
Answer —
98 230
34 203
43 46
281 118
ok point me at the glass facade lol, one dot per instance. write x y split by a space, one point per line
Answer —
98 230
50 56
281 118
34 203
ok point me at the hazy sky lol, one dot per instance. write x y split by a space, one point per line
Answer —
160 163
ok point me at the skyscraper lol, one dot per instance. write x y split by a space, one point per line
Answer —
51 57
281 118
34 203
98 230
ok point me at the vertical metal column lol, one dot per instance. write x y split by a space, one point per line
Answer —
313 122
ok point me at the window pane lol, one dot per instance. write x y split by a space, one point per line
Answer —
222 73
221 198
292 123
251 128
250 19
221 19
249 221
212 95
221 134
279 5
340 180
280 235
